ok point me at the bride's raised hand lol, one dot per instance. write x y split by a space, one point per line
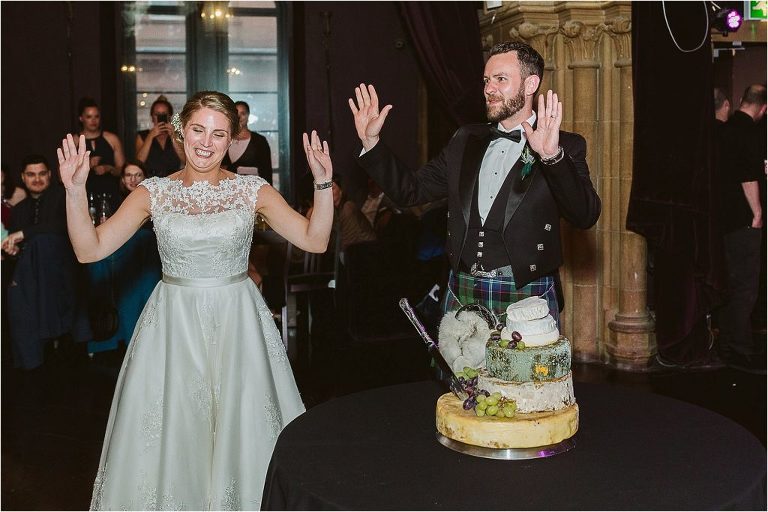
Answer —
74 162
318 157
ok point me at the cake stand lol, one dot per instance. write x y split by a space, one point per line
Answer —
536 452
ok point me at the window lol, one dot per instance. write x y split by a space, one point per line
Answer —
160 63
177 48
253 70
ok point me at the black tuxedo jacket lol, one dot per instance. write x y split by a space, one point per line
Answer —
534 206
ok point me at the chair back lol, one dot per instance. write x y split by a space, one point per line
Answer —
305 272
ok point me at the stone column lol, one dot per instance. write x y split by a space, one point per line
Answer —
541 37
582 44
632 342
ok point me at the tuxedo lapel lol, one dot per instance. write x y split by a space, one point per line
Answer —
519 187
470 171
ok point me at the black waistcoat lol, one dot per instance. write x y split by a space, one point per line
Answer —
485 242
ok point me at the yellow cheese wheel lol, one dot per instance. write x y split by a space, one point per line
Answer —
521 431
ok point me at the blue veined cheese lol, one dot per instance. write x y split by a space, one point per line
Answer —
530 364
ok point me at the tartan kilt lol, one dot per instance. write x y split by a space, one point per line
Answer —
496 293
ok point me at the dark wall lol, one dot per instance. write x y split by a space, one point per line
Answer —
41 88
737 70
367 43
40 85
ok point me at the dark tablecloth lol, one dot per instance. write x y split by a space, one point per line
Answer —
634 450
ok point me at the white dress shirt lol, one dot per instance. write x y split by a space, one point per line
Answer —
500 157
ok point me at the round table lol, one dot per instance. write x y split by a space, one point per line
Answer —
634 450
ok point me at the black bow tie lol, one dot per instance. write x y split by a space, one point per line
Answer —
514 135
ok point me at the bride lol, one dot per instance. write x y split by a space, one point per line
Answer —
205 387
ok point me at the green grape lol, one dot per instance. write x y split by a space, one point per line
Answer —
482 405
497 394
509 412
480 398
520 345
479 411
500 413
504 343
492 410
491 400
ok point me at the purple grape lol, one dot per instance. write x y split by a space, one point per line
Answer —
516 336
499 327
468 404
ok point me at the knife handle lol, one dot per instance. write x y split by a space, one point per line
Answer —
411 314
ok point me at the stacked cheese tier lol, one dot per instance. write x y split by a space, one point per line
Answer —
536 374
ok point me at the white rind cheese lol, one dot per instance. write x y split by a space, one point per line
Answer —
531 396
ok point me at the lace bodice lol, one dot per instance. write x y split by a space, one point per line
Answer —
204 230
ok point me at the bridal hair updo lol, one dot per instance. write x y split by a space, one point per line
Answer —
213 100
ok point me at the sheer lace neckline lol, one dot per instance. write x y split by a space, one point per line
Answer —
203 183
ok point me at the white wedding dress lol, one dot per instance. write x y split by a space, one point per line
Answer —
206 386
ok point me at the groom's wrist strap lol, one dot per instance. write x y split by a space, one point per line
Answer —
555 158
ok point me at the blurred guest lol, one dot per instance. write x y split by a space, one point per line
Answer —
133 173
353 226
43 301
722 107
107 157
156 148
377 207
742 165
249 152
41 212
124 280
12 193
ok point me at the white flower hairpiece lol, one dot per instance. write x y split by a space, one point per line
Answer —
176 122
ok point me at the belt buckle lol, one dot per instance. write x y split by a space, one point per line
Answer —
477 271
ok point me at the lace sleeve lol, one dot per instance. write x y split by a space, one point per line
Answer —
253 184
152 185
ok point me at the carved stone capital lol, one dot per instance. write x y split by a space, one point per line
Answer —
487 41
620 31
539 36
582 43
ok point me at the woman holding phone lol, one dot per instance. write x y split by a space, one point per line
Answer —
106 150
155 148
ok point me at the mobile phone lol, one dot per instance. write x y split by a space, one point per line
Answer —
162 118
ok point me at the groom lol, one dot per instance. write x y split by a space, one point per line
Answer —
508 183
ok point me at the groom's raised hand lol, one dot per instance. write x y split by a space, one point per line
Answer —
545 139
368 119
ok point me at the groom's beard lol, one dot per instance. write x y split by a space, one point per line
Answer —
507 109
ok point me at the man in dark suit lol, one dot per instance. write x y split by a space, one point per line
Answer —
42 212
44 301
742 167
508 183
